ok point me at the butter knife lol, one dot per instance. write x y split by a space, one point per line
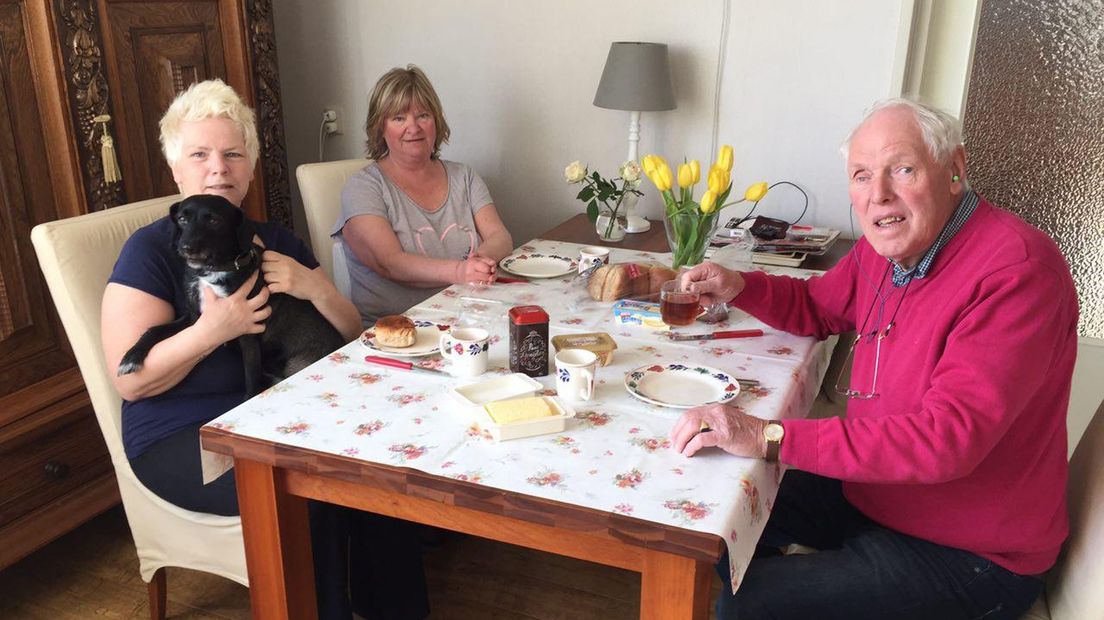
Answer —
736 333
394 363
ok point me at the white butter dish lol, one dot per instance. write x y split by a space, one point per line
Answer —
517 385
528 428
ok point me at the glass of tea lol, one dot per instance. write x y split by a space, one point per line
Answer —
678 306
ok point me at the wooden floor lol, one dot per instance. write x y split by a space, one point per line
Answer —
93 573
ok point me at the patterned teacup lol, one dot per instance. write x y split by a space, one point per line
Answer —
575 374
591 254
466 350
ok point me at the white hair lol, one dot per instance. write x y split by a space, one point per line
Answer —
203 100
942 133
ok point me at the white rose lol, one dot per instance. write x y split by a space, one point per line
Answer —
575 171
630 171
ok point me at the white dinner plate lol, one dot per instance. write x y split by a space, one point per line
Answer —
537 265
681 385
427 340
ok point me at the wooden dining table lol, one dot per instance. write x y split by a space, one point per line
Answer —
277 472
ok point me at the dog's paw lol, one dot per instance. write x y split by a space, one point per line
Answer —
128 366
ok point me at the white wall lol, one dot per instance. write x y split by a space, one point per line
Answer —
517 79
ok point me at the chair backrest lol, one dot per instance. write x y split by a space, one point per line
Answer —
76 256
320 187
1075 587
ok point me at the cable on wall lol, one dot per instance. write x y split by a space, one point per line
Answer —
722 48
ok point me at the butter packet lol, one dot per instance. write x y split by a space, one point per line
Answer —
599 343
642 313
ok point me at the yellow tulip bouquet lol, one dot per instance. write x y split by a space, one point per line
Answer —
690 224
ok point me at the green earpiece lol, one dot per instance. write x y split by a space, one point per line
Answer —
955 178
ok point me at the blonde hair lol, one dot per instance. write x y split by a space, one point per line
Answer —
203 100
393 93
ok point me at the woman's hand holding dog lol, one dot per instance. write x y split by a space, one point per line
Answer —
226 318
284 274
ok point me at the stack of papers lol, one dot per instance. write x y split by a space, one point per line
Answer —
800 241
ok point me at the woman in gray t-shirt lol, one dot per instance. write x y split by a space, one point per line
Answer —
412 223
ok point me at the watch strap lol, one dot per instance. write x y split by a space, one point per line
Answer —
773 446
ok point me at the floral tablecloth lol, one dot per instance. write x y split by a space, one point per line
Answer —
614 456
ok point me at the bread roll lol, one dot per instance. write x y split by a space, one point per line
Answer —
621 280
395 331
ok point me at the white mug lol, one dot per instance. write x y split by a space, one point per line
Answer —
591 254
575 374
466 350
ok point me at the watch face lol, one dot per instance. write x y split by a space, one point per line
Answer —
774 432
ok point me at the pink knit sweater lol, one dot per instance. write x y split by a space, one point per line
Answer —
966 444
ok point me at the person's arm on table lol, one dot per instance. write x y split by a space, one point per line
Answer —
374 243
497 242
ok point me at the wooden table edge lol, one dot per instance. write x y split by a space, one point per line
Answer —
307 467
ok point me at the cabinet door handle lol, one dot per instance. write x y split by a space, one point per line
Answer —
57 470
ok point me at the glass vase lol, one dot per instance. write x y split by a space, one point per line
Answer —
611 229
688 233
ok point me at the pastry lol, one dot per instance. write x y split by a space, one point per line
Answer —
395 331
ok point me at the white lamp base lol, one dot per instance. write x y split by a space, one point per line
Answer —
636 224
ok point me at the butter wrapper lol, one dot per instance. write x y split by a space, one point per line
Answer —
642 313
599 343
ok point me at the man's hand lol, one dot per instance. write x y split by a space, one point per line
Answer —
729 429
716 284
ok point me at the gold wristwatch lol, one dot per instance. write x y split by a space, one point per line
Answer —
773 432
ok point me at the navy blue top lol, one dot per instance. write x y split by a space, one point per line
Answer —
217 383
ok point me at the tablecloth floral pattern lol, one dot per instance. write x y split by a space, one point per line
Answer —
613 456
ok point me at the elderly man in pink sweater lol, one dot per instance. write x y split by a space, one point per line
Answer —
941 494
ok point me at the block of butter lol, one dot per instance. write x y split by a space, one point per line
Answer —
525 417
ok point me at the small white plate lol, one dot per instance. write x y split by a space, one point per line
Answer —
681 385
536 265
427 340
517 385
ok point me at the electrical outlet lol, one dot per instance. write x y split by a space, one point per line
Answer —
330 121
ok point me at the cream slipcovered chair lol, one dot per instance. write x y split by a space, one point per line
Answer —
1075 586
320 186
76 256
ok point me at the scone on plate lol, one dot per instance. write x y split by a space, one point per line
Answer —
395 331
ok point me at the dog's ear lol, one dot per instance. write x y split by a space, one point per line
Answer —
173 210
245 230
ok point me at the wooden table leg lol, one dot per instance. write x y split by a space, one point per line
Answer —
276 526
674 586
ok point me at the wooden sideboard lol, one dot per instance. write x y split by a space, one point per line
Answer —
67 62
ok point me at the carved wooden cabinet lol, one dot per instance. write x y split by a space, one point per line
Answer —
64 64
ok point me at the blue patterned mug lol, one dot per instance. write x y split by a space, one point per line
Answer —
466 350
575 374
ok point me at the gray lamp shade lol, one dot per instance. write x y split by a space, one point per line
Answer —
637 77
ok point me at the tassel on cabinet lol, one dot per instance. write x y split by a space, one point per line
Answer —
107 152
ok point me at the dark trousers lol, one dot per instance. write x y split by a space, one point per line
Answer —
863 570
384 572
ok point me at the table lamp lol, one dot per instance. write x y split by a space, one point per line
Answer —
637 78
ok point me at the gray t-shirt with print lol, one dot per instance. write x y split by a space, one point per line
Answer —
448 232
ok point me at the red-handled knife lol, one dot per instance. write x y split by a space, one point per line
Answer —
735 333
394 363
507 280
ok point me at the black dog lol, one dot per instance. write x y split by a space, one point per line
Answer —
216 241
